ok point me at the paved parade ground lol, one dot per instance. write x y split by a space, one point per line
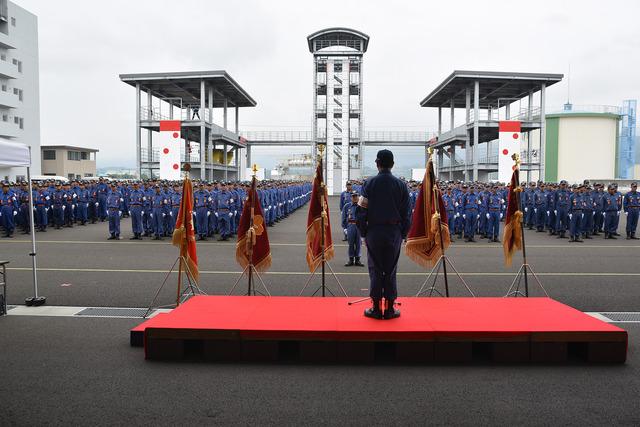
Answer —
74 370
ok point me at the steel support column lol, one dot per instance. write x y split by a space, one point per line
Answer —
138 133
225 114
203 132
543 131
476 130
150 136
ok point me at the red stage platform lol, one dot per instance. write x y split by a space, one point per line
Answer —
231 328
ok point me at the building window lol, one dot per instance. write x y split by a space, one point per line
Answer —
4 88
71 176
21 123
84 155
88 175
15 90
3 57
73 155
20 95
13 21
14 61
16 120
48 154
5 118
19 66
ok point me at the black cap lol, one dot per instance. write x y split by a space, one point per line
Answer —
385 158
354 193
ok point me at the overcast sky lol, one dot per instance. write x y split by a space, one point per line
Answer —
414 45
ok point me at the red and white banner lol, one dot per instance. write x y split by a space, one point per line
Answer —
170 146
509 137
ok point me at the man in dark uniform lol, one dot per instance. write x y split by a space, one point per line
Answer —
383 219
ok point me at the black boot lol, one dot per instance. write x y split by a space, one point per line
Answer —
375 312
633 237
390 312
350 263
357 262
112 237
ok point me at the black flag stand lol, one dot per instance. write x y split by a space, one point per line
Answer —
443 260
323 260
514 289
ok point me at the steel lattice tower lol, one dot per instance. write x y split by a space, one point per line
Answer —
337 102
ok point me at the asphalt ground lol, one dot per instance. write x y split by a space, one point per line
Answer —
81 371
80 267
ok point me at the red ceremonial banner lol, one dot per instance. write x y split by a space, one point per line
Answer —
253 241
314 223
184 233
424 245
512 236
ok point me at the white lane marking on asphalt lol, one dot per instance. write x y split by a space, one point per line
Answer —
305 273
67 311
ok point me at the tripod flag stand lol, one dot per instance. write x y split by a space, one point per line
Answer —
513 237
252 249
428 237
319 241
184 238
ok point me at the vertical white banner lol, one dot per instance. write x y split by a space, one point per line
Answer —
509 144
170 146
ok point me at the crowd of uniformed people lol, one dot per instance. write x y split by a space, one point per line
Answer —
152 205
475 210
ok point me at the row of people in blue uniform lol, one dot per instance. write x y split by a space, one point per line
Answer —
153 208
582 211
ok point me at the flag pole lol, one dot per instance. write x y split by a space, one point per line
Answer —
525 268
436 201
251 233
322 216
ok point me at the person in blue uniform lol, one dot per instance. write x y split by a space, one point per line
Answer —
494 214
82 204
201 204
617 218
611 210
113 203
631 205
598 213
41 203
449 207
158 202
562 209
136 200
587 213
345 198
383 219
576 209
224 205
102 190
175 199
58 198
8 209
349 226
540 207
470 204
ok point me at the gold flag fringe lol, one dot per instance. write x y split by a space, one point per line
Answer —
242 255
314 231
426 251
177 239
512 237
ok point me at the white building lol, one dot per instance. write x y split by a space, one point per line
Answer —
19 84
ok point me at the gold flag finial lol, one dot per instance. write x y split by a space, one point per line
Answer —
254 169
429 152
516 158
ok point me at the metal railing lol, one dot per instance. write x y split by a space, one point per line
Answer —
154 114
354 134
155 156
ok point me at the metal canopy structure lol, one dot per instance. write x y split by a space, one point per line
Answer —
186 85
191 97
338 36
494 86
487 98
